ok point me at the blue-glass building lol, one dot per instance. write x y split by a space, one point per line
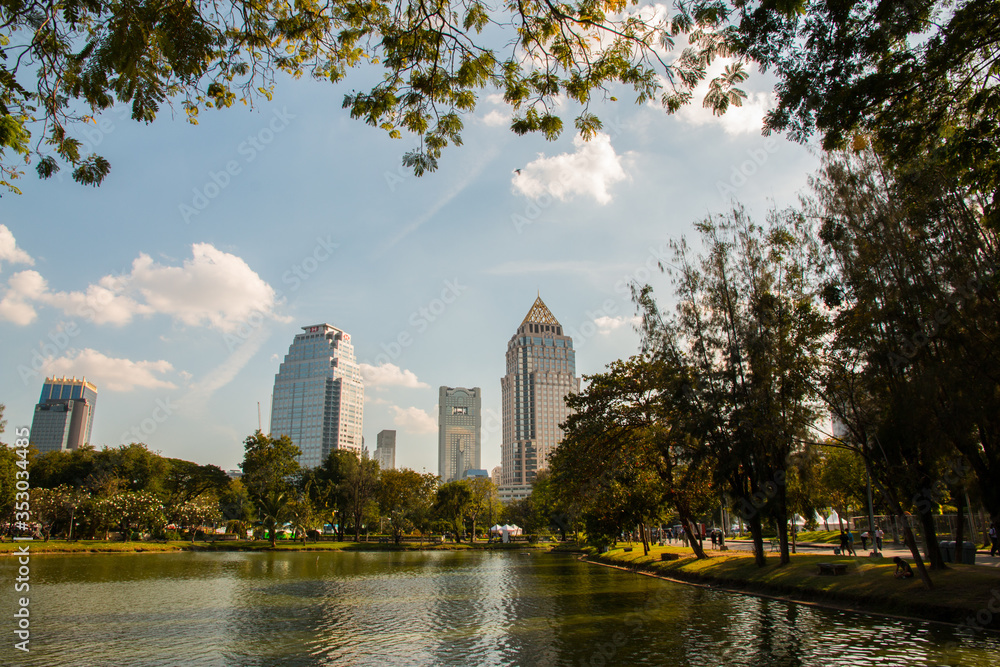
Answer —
64 416
318 398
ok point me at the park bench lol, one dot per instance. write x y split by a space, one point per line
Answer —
627 549
832 568
669 556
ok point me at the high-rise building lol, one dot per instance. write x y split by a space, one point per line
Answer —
319 395
495 475
64 416
385 449
541 372
460 421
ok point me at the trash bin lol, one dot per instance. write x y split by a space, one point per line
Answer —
968 553
947 551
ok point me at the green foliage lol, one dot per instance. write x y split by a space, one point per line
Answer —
451 504
270 471
405 498
65 63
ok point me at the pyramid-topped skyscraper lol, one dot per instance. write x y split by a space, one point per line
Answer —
541 372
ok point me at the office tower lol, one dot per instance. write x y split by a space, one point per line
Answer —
64 416
459 431
319 395
495 475
385 449
541 372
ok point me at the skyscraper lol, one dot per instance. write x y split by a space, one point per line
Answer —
64 416
541 372
319 395
460 420
385 449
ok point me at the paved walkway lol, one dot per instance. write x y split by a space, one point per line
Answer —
889 550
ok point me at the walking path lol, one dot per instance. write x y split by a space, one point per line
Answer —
889 550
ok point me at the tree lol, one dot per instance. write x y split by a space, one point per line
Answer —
483 503
270 470
134 511
198 512
236 508
70 61
184 481
451 504
404 498
360 486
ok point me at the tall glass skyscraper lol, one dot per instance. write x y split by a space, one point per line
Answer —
64 416
541 372
460 420
319 395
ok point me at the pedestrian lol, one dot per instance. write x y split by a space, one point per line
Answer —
843 542
864 541
879 534
994 540
850 542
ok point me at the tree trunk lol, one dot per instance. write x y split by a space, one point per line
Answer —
930 537
915 552
960 528
687 522
756 534
781 522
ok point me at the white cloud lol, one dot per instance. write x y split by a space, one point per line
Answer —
9 252
745 119
496 118
414 420
112 374
213 288
390 375
605 324
591 170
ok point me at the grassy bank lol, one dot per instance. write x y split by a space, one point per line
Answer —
960 592
104 546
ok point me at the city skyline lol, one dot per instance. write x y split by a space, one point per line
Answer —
183 322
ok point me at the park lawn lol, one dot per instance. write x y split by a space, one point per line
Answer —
90 546
959 592
104 546
823 536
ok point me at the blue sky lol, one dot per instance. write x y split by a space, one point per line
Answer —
177 286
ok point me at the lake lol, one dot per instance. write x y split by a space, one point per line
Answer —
431 608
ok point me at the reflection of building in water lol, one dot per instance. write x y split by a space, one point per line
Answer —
64 416
459 431
541 372
385 449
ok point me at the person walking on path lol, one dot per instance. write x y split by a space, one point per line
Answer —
879 534
994 540
864 541
850 543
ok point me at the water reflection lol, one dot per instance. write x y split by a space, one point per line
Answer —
435 608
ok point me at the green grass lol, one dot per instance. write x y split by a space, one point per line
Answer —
959 591
104 546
